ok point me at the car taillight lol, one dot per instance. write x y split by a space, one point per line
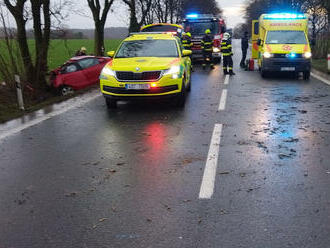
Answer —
153 85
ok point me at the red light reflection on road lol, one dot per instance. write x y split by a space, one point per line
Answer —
155 139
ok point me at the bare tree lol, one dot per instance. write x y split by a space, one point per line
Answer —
99 21
138 12
17 9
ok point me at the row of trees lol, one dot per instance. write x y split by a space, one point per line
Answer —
46 14
318 10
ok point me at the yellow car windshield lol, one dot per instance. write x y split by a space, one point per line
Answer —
148 48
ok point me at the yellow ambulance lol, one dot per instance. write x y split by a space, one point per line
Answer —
280 43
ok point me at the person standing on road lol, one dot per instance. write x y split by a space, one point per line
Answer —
244 46
227 54
187 43
207 47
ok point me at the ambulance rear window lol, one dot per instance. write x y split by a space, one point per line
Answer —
286 37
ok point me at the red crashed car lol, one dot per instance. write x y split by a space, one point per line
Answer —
78 73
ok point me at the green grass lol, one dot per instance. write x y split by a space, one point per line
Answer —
60 51
320 65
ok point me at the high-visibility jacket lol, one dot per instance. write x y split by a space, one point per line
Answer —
226 48
186 42
207 43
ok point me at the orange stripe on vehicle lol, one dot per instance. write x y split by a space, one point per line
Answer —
174 61
306 48
269 49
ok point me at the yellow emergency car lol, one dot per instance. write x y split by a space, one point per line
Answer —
280 43
147 65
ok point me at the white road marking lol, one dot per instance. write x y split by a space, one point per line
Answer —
207 186
321 78
223 100
226 80
72 103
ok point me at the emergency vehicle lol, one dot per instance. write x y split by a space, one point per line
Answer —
196 24
280 43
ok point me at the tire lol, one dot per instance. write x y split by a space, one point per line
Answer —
306 75
181 98
111 103
189 84
66 90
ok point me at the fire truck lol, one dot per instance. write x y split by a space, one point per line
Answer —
196 24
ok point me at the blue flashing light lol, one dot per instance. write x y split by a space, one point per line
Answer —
285 16
192 15
292 55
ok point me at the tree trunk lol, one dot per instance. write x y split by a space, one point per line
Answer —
99 39
134 25
41 38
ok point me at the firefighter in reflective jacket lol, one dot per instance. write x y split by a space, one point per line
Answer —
186 41
207 47
227 54
187 44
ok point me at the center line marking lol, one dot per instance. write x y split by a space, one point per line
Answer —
223 100
207 186
226 80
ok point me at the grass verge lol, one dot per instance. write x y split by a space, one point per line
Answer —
320 65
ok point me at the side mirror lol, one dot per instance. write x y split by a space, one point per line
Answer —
259 42
111 53
186 53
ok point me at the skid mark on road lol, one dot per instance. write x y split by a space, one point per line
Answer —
223 99
207 186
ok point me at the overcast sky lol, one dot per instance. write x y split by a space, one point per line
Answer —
119 16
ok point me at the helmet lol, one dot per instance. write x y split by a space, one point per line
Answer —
188 34
226 36
207 31
83 49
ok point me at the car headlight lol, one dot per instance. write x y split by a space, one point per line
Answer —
267 55
307 55
216 50
106 71
174 71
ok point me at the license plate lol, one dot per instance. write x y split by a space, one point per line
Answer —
137 86
288 68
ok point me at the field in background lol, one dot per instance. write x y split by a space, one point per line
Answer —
60 51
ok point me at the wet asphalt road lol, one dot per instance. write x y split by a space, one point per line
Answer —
131 177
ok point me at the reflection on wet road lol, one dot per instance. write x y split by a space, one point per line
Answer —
89 177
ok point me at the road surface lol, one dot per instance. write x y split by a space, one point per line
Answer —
244 164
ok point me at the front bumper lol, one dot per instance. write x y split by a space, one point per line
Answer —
283 64
166 87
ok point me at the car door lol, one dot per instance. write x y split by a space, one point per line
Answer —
91 69
73 76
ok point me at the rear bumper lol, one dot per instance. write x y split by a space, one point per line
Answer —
285 64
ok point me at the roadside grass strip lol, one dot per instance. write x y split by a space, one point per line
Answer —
320 78
70 104
207 186
223 99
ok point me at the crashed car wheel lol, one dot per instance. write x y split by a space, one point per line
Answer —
66 91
